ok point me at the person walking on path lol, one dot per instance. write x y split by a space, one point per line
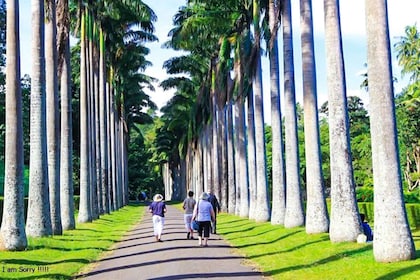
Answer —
138 256
188 206
204 215
158 209
216 208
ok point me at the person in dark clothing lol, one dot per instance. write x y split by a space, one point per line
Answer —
216 208
366 228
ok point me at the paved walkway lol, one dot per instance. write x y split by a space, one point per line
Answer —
139 256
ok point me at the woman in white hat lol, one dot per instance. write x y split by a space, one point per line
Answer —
204 215
158 209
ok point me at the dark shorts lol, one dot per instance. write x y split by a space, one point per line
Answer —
204 226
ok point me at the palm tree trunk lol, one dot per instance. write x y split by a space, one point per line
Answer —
294 215
223 195
66 150
66 164
92 119
231 161
243 188
12 233
53 133
252 171
85 210
39 217
316 208
392 239
103 113
345 224
262 206
278 183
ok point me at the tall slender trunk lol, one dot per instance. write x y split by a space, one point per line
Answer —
250 156
345 224
103 117
53 128
316 208
223 195
39 217
12 233
231 161
278 209
262 212
392 239
243 163
66 164
294 215
85 210
66 150
98 169
92 118
215 187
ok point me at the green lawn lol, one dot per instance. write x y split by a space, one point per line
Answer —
293 254
60 257
278 252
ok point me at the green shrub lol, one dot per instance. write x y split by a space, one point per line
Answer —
412 197
364 194
367 209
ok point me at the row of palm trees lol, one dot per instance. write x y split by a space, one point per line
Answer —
111 97
218 144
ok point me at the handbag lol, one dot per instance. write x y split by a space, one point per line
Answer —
194 225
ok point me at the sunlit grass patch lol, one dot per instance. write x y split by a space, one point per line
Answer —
60 257
292 254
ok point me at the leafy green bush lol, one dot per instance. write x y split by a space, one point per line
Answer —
412 197
364 194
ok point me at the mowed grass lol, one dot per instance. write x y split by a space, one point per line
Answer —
60 257
278 252
292 254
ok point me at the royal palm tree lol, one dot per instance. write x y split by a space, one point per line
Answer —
85 210
294 215
53 132
344 224
389 244
316 208
262 209
39 217
103 124
66 156
12 233
278 208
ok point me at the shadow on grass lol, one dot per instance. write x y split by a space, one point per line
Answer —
267 241
316 263
323 239
22 262
46 276
61 249
401 272
242 229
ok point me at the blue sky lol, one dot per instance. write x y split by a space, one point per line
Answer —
401 13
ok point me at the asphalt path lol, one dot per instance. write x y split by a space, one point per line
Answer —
139 256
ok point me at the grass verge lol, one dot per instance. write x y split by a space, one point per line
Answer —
278 252
292 254
60 257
